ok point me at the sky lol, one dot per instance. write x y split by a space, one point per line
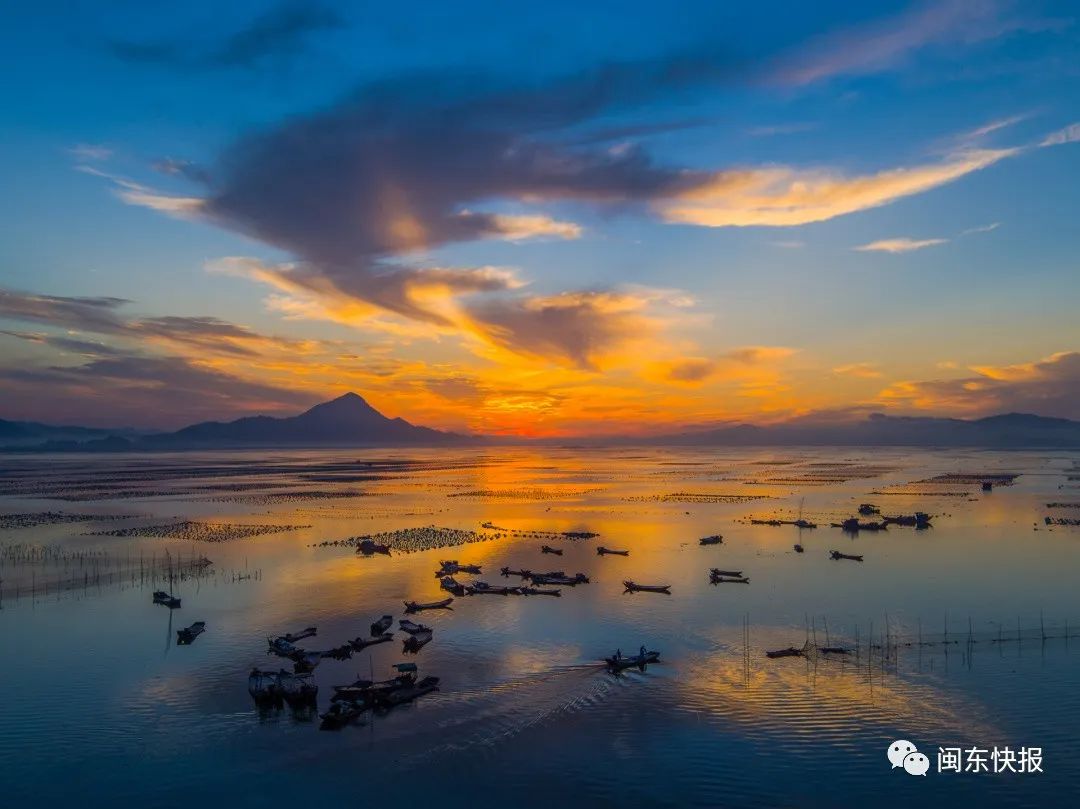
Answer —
551 219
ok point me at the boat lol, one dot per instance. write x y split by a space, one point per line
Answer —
853 525
451 585
715 539
263 687
773 522
853 557
618 663
483 588
342 652
988 485
304 662
400 696
537 591
718 572
729 580
523 573
281 647
416 606
341 714
631 587
920 519
560 579
405 625
868 509
366 691
790 651
187 635
380 626
801 523
608 552
451 566
359 644
293 637
297 689
163 598
369 547
549 549
414 643
799 548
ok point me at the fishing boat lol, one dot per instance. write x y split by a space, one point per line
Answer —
549 549
715 539
451 585
729 580
365 691
618 663
601 551
405 625
523 573
359 644
369 547
341 714
187 635
561 580
632 587
342 652
281 647
414 643
380 626
774 522
297 689
293 637
790 651
483 588
853 557
868 509
400 696
451 566
537 591
799 548
920 519
853 525
163 598
718 572
263 687
416 606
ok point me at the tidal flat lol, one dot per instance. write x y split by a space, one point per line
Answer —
964 634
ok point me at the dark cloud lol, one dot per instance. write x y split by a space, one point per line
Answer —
1049 387
85 314
69 345
278 33
139 391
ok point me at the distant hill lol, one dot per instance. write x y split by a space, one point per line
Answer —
349 421
345 421
1011 430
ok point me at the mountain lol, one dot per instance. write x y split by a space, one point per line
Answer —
345 421
33 432
1011 430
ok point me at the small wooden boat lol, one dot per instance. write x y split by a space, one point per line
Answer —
342 652
281 647
718 572
920 519
790 651
451 585
451 566
799 548
400 696
868 509
359 644
631 587
715 539
523 573
297 689
549 549
483 588
405 625
364 691
416 606
608 552
853 557
729 580
293 637
618 663
414 643
341 714
380 626
263 687
369 547
773 522
186 636
536 591
166 600
560 580
853 525
988 485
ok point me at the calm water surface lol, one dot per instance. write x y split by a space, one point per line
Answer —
103 708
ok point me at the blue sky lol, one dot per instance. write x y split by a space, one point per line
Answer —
484 218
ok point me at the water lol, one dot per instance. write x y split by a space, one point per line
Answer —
102 707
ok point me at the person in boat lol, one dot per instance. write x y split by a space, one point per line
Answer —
618 654
641 652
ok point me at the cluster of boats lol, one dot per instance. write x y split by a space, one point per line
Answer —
540 584
920 520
